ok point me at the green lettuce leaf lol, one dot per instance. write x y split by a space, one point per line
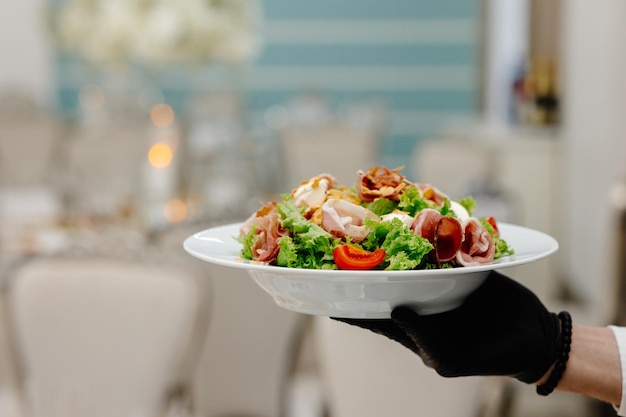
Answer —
308 245
381 206
502 247
403 248
247 241
446 208
468 203
412 202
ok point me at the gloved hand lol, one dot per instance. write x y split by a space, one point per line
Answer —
502 328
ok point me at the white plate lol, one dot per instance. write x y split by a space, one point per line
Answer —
366 294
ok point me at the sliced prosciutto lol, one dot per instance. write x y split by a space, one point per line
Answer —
345 219
478 247
266 222
433 194
443 232
266 207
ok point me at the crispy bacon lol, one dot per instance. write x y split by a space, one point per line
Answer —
478 247
267 232
443 232
343 218
378 182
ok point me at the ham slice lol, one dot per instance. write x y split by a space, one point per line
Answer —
478 247
443 232
345 219
268 230
266 207
433 194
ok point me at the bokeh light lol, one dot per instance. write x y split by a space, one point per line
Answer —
162 115
175 210
160 155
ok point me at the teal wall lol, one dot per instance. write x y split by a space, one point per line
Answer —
422 57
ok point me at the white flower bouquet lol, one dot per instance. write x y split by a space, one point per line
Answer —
159 31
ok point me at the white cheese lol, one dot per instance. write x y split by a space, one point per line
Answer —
397 214
459 211
312 193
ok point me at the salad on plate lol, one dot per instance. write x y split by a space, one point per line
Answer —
384 221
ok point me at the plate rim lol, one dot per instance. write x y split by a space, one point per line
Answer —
349 275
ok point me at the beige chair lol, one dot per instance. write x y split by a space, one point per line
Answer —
29 143
251 345
107 337
453 165
317 139
367 375
335 149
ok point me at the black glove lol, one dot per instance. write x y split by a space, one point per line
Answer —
502 328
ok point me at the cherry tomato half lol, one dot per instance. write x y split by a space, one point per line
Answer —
351 257
494 224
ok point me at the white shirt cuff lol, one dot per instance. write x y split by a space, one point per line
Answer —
620 337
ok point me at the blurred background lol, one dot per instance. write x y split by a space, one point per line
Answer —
128 125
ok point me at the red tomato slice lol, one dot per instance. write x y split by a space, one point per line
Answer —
351 257
494 224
